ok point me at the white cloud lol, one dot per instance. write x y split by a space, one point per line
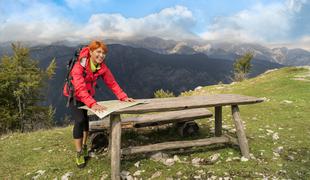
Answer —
45 24
171 23
261 23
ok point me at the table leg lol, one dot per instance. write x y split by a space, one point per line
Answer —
242 140
218 121
110 137
116 132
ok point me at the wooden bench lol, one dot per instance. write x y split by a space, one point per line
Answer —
183 118
181 103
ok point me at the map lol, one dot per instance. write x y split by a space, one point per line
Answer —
112 105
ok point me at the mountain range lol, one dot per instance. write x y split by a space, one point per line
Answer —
221 50
142 71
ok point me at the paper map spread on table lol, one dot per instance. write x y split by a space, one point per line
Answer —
112 105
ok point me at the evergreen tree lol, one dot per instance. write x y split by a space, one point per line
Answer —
21 89
242 66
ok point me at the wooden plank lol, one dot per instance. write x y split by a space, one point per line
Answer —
105 124
218 121
156 119
169 117
174 145
115 146
242 140
189 102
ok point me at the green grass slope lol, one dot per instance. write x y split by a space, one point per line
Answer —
278 131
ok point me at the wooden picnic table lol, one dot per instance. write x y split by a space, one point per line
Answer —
181 103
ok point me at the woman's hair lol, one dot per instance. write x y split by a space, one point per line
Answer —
97 44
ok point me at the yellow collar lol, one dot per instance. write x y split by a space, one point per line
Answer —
94 67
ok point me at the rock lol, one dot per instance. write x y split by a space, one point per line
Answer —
279 150
156 174
281 171
50 151
179 173
159 156
228 159
236 158
197 177
66 176
244 159
201 172
92 154
275 136
196 161
266 99
252 156
37 148
276 154
287 101
198 88
176 158
169 162
212 159
138 173
290 157
38 174
213 177
125 175
104 176
137 164
89 171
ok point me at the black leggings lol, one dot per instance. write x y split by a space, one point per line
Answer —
81 121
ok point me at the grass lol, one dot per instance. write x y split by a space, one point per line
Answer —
285 112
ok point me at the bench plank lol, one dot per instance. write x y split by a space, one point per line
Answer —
157 119
175 144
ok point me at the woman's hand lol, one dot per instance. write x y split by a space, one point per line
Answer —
128 100
97 107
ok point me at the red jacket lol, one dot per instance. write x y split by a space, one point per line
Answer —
84 85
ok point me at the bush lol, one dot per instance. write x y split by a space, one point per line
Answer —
163 94
242 66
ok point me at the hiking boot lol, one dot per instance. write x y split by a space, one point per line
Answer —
85 151
80 160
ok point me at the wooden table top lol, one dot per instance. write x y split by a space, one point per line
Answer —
188 102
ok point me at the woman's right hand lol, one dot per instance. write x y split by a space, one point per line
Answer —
97 107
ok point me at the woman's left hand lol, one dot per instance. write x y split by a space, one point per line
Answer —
128 100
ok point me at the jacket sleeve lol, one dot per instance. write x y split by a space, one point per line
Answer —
79 85
109 80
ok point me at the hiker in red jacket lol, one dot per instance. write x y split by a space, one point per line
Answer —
88 68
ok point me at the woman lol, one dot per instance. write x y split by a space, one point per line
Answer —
89 67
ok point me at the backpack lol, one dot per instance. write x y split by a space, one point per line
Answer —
68 78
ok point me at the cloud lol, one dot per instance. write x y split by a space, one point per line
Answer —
47 23
34 21
170 23
260 23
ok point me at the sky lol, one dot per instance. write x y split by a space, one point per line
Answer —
269 22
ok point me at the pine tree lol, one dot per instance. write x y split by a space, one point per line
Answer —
242 66
21 90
